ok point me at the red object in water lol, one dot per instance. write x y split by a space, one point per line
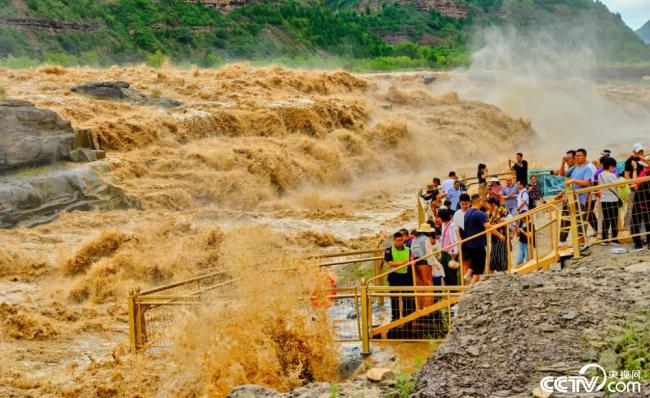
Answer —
326 297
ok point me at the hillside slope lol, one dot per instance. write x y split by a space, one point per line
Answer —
436 33
644 32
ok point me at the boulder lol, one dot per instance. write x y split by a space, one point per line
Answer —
83 155
111 90
32 136
38 199
252 391
380 374
428 79
121 91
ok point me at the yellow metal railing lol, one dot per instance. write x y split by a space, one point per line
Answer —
358 310
628 218
471 181
150 311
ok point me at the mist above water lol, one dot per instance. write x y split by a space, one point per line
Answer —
547 78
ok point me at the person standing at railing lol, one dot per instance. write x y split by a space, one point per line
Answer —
482 176
459 221
581 178
423 270
520 167
449 238
495 190
499 252
526 233
637 160
476 222
454 195
566 169
522 198
510 195
609 199
535 192
600 165
449 182
396 256
641 208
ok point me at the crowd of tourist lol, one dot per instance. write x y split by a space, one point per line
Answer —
453 215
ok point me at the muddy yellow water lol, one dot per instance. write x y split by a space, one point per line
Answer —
255 166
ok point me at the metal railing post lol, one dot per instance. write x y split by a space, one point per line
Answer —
378 268
460 263
488 257
571 197
422 216
133 322
141 327
365 338
508 248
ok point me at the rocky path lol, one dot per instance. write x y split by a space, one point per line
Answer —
512 330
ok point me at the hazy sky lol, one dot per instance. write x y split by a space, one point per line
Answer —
634 12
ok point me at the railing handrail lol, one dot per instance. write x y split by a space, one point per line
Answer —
342 254
181 283
511 220
352 261
474 180
600 187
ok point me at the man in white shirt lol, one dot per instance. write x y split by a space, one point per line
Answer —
448 184
522 198
459 216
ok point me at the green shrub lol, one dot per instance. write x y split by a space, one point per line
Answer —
12 62
3 92
62 59
156 60
405 385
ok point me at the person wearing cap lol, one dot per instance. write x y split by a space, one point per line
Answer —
636 161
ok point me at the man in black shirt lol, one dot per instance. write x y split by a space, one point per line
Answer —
520 167
638 156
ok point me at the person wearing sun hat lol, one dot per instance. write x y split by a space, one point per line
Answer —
495 190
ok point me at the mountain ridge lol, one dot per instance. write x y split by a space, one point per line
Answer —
411 33
644 32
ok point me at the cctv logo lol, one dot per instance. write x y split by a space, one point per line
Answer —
580 383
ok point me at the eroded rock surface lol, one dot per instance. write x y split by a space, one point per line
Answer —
119 90
29 201
513 330
32 136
